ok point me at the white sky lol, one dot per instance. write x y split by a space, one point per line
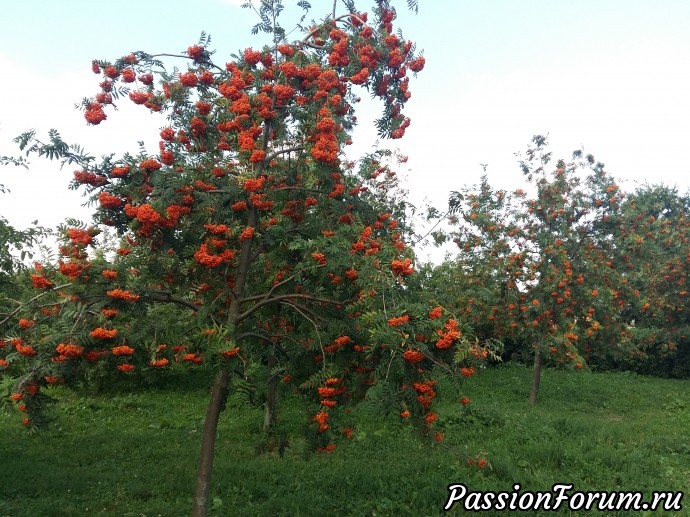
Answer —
611 76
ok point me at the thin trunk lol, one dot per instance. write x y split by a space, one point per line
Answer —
220 386
536 378
208 444
271 403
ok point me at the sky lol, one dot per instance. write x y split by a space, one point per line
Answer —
611 77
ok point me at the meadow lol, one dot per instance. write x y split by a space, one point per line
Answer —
133 453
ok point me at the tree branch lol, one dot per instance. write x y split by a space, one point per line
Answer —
440 220
312 190
305 41
286 298
274 154
265 339
316 328
184 56
312 45
270 291
159 296
15 311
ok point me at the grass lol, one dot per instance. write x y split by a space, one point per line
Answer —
134 454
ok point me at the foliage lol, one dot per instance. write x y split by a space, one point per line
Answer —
655 243
16 246
541 267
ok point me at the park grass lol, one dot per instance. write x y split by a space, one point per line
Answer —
133 454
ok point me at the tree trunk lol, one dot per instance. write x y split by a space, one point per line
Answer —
271 403
208 443
536 378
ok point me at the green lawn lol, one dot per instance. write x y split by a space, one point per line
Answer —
134 454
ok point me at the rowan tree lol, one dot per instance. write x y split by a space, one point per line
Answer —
543 265
654 239
291 259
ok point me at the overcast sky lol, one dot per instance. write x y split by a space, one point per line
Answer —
609 76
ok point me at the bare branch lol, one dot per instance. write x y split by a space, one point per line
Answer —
274 154
312 45
440 220
266 339
269 293
160 296
316 329
301 189
287 297
312 33
254 335
29 377
184 56
15 311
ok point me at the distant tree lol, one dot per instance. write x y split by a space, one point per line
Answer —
542 263
16 246
654 238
